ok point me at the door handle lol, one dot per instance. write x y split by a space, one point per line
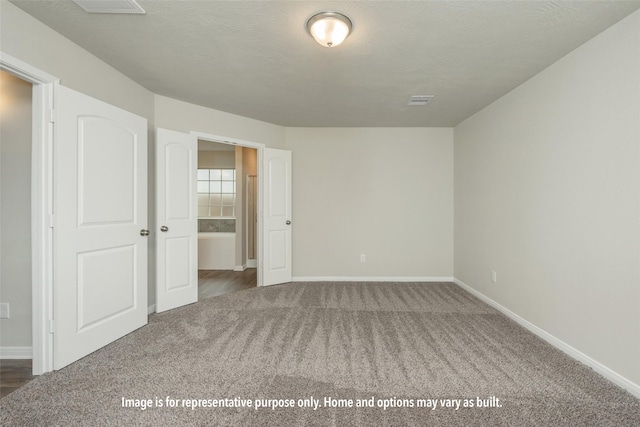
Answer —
164 228
288 222
144 232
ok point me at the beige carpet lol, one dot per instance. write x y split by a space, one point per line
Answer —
400 345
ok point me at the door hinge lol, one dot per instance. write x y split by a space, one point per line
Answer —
52 115
52 221
51 327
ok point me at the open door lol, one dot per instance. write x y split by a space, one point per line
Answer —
176 219
277 217
100 243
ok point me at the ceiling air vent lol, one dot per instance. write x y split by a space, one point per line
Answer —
419 100
110 6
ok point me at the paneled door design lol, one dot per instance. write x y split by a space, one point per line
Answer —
176 219
100 225
277 217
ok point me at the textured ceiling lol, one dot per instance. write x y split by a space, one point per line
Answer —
255 59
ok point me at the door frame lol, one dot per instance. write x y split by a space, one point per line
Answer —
260 148
43 117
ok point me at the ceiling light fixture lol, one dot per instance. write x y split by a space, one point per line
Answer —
329 28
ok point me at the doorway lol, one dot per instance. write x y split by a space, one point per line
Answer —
273 230
15 217
42 117
227 231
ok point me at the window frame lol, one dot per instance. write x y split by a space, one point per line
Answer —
218 181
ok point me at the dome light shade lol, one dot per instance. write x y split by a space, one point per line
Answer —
329 28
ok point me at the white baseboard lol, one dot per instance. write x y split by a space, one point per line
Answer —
370 279
252 263
606 372
16 353
151 309
240 268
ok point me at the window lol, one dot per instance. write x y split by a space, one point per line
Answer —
216 193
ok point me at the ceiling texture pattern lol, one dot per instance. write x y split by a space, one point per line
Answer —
255 58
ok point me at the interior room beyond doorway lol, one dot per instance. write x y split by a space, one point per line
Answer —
227 216
15 217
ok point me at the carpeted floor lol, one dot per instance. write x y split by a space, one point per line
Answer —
399 345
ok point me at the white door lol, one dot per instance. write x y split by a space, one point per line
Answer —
100 206
176 219
277 217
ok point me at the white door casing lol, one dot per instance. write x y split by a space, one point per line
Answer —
100 208
177 215
44 86
277 217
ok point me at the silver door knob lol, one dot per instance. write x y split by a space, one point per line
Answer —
288 222
164 228
144 232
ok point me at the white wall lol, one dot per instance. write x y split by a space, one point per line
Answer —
15 210
29 40
184 117
383 192
547 195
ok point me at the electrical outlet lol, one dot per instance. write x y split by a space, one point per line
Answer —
4 310
363 258
494 277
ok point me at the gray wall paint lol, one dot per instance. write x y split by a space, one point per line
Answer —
216 159
546 194
386 193
15 210
29 40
